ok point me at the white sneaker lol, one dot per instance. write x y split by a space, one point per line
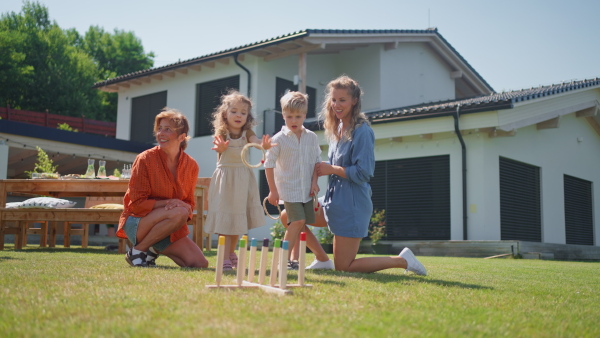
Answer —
413 263
317 264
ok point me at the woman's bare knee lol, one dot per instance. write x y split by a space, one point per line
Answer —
188 253
178 214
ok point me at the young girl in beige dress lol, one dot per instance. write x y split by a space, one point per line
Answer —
234 205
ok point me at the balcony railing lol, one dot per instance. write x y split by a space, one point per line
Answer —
82 124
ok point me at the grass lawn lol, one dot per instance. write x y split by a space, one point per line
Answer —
91 292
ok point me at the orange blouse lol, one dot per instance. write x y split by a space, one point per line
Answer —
151 181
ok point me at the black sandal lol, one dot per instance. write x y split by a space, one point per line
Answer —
151 258
133 259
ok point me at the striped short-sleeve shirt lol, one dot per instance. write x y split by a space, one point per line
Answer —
294 162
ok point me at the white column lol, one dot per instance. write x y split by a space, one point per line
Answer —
3 160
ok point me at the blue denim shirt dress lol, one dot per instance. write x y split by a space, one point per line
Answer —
347 201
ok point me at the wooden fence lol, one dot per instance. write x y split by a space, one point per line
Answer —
82 124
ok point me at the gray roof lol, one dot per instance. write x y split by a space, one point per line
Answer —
496 101
281 39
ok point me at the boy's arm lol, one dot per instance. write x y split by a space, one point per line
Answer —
273 193
314 189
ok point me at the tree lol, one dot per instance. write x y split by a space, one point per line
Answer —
61 74
117 54
43 67
14 71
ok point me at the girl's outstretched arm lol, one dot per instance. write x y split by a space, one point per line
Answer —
265 142
220 144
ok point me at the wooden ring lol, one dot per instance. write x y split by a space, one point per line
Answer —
244 153
266 212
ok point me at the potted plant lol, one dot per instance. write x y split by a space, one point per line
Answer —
326 239
44 167
377 231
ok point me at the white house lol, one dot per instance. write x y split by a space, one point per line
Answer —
455 160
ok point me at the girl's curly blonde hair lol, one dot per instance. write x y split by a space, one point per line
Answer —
330 122
219 116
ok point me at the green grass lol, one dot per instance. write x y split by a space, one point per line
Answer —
91 292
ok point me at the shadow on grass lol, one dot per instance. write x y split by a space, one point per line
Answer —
63 249
6 258
386 278
77 249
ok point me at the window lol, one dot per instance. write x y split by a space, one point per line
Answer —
415 193
520 206
579 219
143 111
208 97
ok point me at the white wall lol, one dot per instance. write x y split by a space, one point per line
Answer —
364 66
556 151
412 74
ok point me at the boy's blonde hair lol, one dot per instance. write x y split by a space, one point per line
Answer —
294 102
330 122
220 114
181 123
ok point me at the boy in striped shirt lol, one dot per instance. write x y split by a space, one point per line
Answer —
290 168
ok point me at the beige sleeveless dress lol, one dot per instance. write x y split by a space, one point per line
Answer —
234 205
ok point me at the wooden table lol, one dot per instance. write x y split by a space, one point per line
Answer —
81 188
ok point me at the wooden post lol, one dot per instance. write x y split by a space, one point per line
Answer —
252 264
302 73
275 262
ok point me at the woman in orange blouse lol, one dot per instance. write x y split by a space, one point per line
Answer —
160 198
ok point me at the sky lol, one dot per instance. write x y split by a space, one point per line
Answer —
512 44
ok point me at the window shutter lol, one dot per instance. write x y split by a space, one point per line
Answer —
415 193
579 219
520 209
143 111
208 97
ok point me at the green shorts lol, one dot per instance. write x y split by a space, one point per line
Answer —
297 211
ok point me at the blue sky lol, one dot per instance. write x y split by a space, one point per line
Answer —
512 44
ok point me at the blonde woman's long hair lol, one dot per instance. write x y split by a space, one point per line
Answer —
330 122
219 116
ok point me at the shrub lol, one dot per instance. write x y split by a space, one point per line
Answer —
325 236
66 126
277 230
377 226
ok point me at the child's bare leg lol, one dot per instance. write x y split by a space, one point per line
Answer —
294 247
234 240
230 243
311 240
291 234
295 252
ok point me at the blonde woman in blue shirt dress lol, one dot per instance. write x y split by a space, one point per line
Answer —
347 202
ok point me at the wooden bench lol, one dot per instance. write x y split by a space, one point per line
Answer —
16 221
22 218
